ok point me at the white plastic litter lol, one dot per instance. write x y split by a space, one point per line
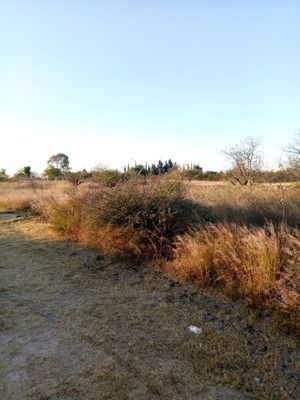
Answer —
195 329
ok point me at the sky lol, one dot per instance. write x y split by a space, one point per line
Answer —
123 81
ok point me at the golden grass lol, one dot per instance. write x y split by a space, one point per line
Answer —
249 205
31 195
260 265
240 259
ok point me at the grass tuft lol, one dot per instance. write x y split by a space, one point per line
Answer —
260 265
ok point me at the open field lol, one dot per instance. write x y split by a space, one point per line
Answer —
249 205
99 286
244 242
74 326
228 202
25 195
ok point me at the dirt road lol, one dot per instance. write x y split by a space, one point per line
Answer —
74 327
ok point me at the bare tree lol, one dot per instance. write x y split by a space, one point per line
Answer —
246 161
293 152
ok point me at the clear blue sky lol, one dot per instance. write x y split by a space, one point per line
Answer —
115 81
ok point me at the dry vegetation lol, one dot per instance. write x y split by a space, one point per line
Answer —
242 241
73 326
260 265
31 195
256 205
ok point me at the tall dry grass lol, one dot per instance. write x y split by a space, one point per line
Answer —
31 195
260 265
255 205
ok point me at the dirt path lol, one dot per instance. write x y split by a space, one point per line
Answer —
72 327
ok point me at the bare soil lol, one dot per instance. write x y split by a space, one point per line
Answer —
73 326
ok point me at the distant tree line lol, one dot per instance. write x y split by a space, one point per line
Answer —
245 158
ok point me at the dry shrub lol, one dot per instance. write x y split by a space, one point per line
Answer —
111 241
107 177
261 265
65 217
139 218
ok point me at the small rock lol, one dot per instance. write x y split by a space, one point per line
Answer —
195 329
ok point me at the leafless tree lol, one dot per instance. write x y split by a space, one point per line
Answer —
246 161
293 152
